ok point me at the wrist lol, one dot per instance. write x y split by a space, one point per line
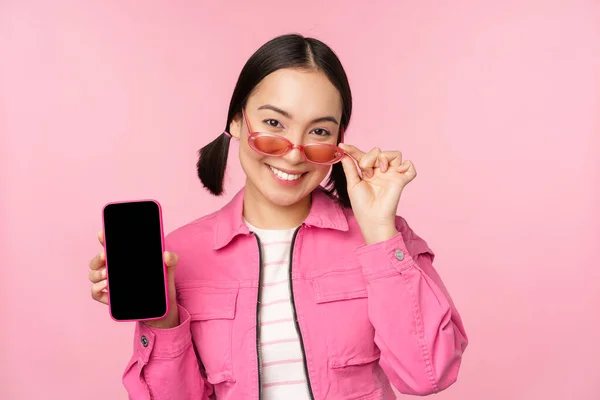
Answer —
379 233
168 322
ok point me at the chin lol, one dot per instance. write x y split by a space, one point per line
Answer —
286 194
282 196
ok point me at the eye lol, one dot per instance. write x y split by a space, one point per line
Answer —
273 123
321 132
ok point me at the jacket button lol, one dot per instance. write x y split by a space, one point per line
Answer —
144 341
399 254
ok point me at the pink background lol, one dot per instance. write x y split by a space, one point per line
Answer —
497 103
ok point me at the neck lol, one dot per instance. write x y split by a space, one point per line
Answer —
262 213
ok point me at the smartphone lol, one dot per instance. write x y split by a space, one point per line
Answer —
136 271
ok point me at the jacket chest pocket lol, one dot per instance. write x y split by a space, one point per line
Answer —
341 299
212 311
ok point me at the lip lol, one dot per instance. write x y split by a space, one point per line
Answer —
285 182
287 171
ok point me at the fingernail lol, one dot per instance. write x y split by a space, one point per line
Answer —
103 273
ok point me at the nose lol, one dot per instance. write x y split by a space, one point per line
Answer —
294 156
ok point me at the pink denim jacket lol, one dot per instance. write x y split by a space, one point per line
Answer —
366 315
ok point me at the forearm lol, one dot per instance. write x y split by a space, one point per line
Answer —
164 364
417 328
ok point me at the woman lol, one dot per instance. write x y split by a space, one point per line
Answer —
292 290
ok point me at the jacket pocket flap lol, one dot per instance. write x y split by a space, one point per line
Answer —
209 302
340 285
343 362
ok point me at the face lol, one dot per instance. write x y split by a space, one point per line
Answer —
301 106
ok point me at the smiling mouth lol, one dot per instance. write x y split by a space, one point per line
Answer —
284 176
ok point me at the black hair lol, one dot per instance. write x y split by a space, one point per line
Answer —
286 51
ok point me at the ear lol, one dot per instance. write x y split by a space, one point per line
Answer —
341 135
235 127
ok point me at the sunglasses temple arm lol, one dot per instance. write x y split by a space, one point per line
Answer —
247 125
349 155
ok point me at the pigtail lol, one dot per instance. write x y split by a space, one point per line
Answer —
337 186
212 162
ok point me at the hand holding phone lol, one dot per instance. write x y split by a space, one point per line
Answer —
139 283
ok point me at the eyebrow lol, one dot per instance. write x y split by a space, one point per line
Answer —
286 114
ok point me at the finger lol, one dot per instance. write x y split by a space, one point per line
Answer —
351 171
97 275
383 162
101 237
408 169
394 158
98 292
171 259
404 166
98 261
369 161
411 172
352 151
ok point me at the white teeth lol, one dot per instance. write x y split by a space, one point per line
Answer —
285 176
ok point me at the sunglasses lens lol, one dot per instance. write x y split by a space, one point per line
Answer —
321 153
278 146
271 145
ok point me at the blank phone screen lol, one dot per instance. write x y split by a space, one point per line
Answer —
133 243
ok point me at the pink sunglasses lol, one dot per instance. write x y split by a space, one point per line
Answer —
269 144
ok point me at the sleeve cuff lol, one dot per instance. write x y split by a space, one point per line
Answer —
384 257
163 343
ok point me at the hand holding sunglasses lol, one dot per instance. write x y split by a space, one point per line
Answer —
375 195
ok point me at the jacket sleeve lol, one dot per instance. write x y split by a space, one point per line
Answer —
164 364
417 328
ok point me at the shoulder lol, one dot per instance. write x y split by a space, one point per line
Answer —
193 243
193 233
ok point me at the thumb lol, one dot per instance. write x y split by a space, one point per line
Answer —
171 259
351 171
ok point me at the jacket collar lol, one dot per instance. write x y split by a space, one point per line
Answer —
325 212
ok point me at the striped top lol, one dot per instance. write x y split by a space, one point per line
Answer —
282 360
